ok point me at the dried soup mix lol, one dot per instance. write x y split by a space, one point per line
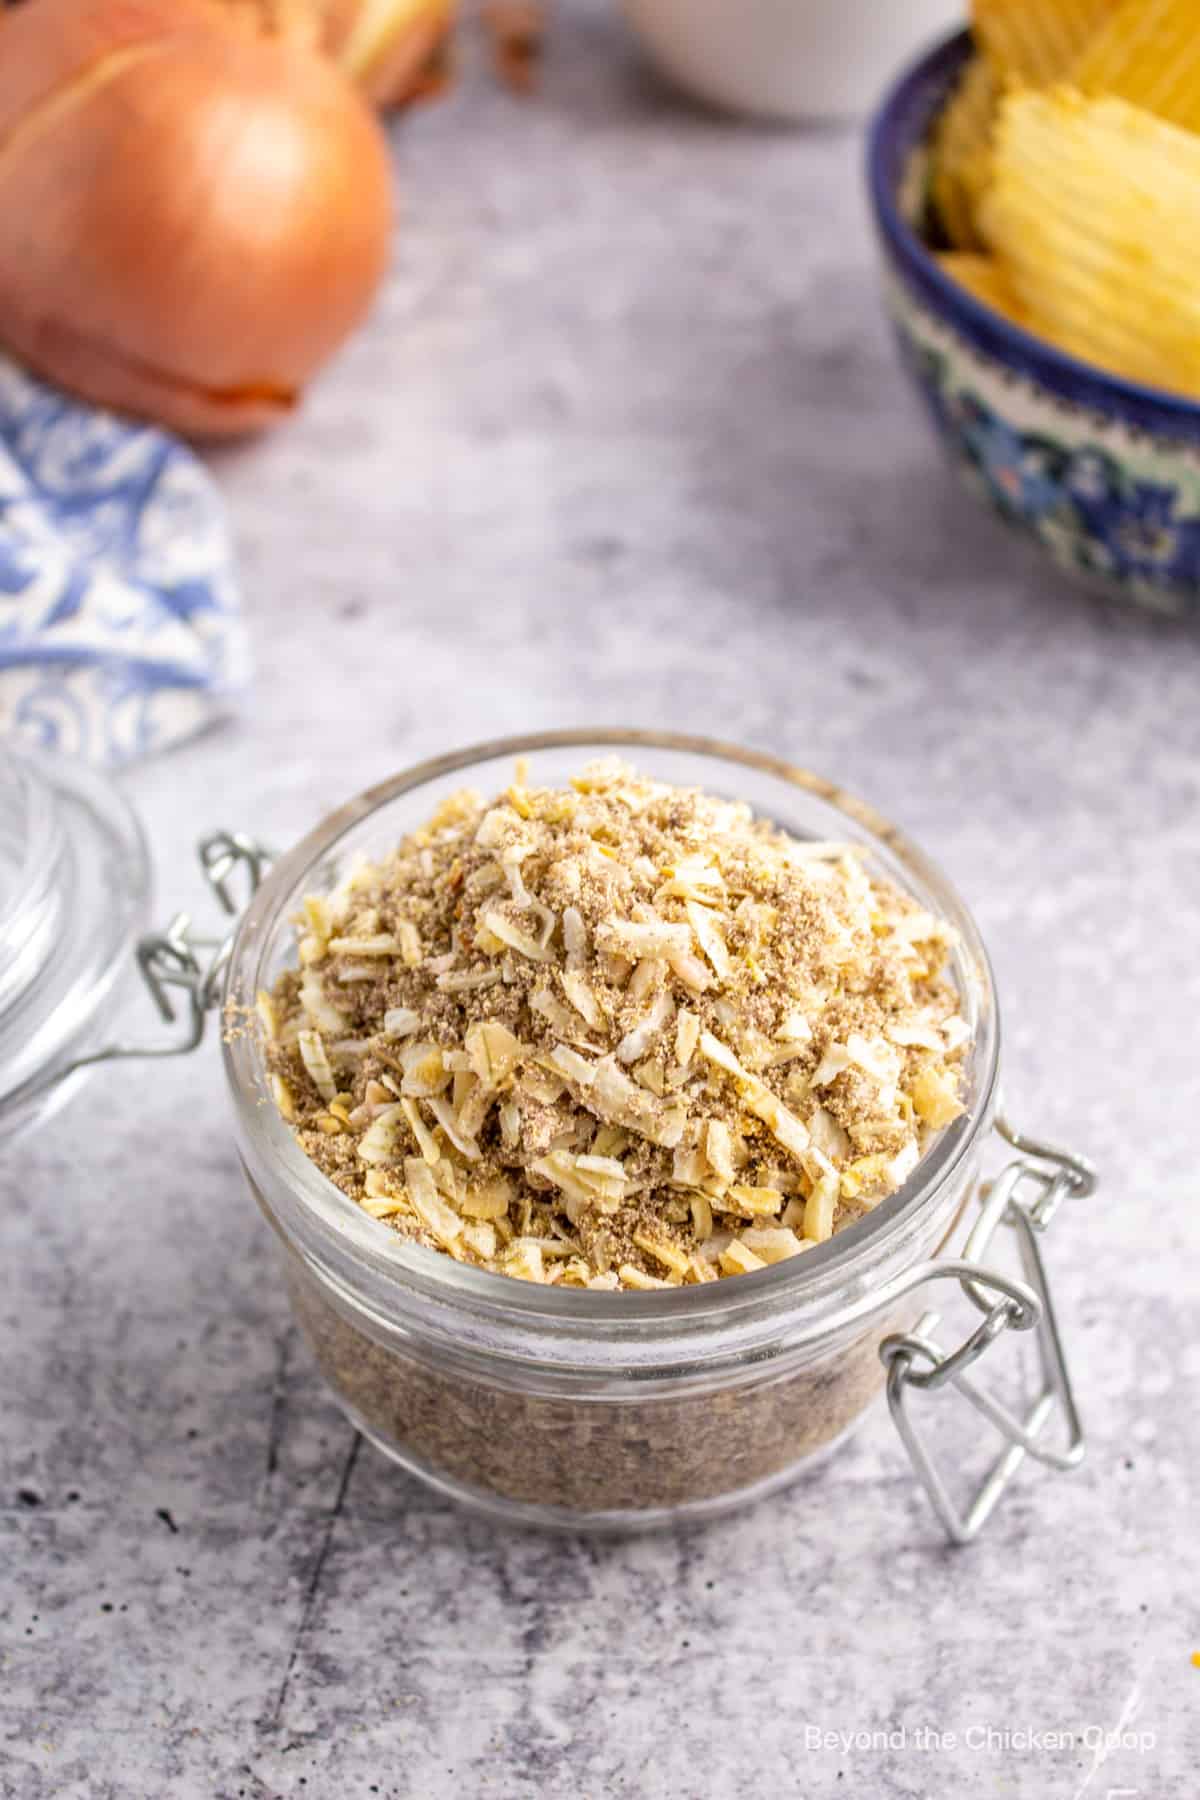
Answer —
617 1035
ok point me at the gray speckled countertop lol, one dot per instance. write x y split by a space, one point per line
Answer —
626 442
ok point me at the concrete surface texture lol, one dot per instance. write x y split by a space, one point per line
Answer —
625 443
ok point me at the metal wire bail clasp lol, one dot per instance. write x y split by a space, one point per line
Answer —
179 961
1025 1197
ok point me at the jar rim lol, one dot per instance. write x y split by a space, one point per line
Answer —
331 1229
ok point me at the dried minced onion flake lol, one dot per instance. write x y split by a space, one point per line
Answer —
637 1278
772 1243
601 1165
877 1059
795 1028
779 1120
493 1052
755 1200
914 1035
429 1205
321 1011
614 1097
559 1015
639 937
690 970
782 1123
381 944
493 828
312 1054
827 1135
835 1062
663 1249
718 1149
463 980
347 974
935 1096
427 1144
481 1238
425 1073
516 937
708 936
510 1124
378 1141
521 897
574 937
687 1036
579 1177
580 1019
583 998
543 1088
401 1021
510 862
409 940
523 1259
381 1206
901 1166
819 1210
638 1039
693 878
918 927
723 1056
448 1119
738 1259
571 1065
489 1202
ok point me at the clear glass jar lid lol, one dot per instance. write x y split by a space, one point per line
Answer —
74 896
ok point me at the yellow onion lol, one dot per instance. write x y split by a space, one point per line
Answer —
192 219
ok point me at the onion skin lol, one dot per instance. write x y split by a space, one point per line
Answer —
191 220
39 58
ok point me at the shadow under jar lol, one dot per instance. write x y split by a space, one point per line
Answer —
576 1408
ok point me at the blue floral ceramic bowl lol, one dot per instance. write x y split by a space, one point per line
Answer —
1104 472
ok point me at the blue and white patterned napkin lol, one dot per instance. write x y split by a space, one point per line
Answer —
120 627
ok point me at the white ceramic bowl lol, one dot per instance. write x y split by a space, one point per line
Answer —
787 59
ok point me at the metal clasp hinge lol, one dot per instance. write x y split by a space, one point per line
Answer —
915 1360
178 960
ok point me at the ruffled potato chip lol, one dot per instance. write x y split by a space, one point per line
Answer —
962 152
983 277
1094 210
1036 42
1149 54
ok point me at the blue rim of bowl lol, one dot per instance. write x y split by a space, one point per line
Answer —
898 129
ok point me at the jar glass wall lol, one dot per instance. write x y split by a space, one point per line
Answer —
74 896
569 1406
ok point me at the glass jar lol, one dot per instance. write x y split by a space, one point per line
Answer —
544 1406
610 1410
74 896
